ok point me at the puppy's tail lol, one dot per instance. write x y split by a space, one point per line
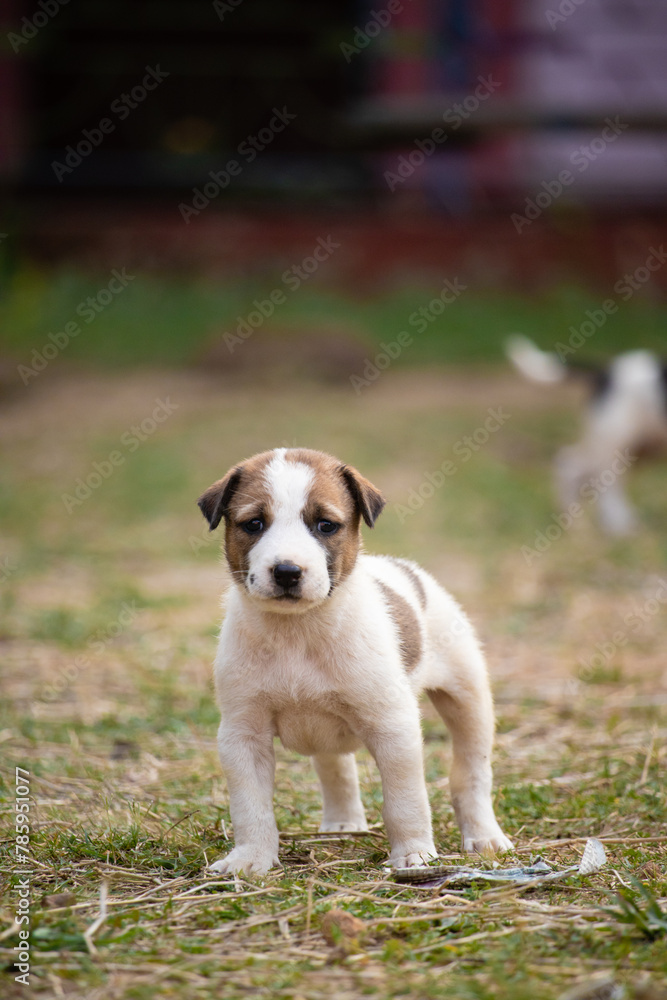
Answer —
537 365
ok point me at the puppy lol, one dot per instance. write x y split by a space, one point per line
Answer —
627 417
328 649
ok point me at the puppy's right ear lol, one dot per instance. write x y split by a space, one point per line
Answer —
214 502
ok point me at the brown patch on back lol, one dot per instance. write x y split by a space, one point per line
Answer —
413 577
405 619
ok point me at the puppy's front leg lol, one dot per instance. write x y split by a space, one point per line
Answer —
248 760
406 810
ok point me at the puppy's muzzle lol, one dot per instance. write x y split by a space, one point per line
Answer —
288 576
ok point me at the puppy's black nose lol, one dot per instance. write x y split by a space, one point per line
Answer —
286 574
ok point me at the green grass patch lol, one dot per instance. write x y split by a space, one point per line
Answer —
168 321
114 717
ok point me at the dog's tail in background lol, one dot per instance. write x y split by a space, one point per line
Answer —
535 364
548 369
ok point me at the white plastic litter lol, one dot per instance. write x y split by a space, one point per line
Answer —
592 860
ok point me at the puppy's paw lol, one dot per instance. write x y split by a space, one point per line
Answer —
491 841
246 861
344 826
412 859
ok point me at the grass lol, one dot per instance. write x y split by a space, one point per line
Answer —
175 319
109 619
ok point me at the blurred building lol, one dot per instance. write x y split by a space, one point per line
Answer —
225 136
480 103
529 89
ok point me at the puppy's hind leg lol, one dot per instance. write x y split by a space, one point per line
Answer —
464 703
572 467
581 471
616 515
343 811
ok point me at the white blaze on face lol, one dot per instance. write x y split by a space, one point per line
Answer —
288 539
289 484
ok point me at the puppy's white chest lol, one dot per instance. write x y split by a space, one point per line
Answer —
309 728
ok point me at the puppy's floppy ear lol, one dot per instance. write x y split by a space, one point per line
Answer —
367 498
214 502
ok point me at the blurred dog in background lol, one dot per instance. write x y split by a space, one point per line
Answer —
625 418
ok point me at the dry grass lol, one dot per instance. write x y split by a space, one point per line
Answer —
127 800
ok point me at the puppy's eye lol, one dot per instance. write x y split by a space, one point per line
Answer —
253 527
327 527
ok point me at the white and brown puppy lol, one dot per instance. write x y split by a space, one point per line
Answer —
328 649
626 418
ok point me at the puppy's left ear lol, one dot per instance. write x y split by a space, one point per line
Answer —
367 498
214 502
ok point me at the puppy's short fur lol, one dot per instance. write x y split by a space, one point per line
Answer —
328 649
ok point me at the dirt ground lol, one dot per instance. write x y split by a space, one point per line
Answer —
112 601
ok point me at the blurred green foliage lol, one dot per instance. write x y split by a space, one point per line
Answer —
165 320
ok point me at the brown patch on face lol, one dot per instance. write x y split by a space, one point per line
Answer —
341 487
405 619
414 579
367 499
239 496
339 494
330 500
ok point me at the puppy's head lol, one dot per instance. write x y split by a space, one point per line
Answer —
292 520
